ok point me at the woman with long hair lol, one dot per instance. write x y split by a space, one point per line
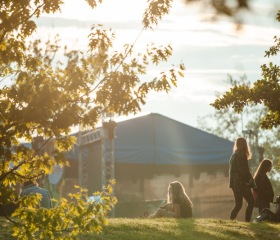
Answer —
178 204
264 191
240 179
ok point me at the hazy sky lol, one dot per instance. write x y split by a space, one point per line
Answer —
209 50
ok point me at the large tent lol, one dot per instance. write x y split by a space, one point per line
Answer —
156 139
154 144
149 152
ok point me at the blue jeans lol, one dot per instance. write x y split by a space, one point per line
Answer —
240 193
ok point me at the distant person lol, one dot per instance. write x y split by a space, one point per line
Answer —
267 215
240 179
30 187
264 191
178 204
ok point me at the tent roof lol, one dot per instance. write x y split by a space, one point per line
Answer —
156 139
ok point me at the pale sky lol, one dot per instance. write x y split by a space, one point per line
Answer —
210 51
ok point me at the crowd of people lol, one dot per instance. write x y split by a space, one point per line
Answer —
257 190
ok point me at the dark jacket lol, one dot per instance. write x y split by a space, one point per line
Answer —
239 173
264 188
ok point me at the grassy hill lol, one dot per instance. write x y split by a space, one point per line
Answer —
175 229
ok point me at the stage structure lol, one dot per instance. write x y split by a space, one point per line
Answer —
102 142
148 153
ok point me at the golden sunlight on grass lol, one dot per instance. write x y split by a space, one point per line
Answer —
175 229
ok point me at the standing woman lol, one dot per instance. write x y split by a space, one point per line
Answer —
265 194
178 203
240 179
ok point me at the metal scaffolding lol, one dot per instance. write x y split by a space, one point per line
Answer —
107 154
106 135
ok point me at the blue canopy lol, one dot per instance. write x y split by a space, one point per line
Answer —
156 139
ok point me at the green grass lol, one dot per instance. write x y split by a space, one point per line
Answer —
175 229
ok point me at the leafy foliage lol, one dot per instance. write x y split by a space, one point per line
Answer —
45 97
229 124
67 219
231 9
265 91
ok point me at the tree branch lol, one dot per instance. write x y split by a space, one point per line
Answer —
14 16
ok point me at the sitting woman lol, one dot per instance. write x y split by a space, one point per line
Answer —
178 203
267 215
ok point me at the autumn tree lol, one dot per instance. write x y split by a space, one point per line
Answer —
223 7
44 96
226 8
265 91
228 124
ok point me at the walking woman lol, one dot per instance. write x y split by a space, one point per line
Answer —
178 203
240 179
264 191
